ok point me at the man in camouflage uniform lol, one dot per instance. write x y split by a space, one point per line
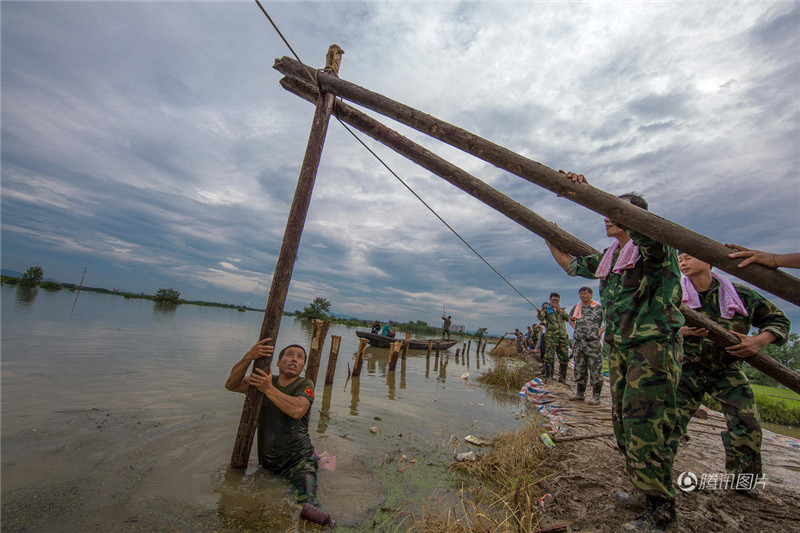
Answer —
709 368
556 340
586 347
641 296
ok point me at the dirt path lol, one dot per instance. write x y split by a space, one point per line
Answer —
590 473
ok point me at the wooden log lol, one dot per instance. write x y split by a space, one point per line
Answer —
776 282
315 352
430 345
362 345
725 338
282 274
583 437
515 211
402 373
336 340
405 344
458 350
469 346
437 348
394 353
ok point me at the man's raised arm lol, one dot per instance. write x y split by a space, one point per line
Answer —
238 381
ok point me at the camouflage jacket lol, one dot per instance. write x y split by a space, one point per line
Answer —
762 314
555 322
641 303
588 325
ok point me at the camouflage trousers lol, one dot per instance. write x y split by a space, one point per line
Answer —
731 388
644 381
588 356
556 343
303 477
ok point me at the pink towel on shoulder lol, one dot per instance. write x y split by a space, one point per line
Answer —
627 259
576 314
729 301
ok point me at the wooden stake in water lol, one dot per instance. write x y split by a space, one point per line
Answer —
315 353
405 344
332 357
362 345
394 353
430 345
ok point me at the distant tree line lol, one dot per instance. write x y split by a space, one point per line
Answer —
34 275
320 308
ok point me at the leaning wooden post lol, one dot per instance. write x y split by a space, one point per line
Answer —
394 353
405 344
777 282
332 357
362 345
469 346
283 272
430 345
315 353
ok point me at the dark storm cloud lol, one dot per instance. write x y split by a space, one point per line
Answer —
154 140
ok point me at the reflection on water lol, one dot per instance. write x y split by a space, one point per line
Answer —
164 308
355 385
25 295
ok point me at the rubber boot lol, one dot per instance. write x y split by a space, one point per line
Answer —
562 373
316 515
596 389
659 514
579 395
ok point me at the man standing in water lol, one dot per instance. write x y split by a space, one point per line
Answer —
641 292
284 445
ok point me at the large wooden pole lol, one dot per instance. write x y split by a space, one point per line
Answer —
520 214
777 282
283 273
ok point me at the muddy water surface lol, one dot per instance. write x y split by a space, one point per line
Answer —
115 418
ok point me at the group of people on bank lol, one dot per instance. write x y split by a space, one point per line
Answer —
659 368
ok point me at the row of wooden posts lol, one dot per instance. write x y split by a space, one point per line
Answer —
397 350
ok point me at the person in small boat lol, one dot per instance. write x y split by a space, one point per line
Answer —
446 326
388 331
376 327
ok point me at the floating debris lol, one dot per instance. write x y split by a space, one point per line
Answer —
466 456
477 441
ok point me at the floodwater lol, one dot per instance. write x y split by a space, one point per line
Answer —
115 418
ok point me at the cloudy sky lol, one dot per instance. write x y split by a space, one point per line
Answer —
151 142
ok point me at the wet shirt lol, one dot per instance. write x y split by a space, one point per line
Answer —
283 440
762 314
555 321
641 303
588 325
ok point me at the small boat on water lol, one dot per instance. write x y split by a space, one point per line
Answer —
380 341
